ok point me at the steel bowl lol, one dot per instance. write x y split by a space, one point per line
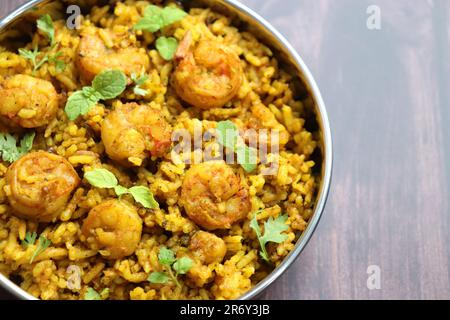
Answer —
245 19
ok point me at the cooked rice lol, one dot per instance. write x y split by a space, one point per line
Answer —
292 190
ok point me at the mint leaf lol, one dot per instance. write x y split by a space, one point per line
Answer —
167 47
79 103
166 257
158 278
144 196
182 265
156 18
101 178
171 15
119 190
110 84
227 134
247 158
152 20
106 85
9 150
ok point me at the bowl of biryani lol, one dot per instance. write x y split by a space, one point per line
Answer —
154 150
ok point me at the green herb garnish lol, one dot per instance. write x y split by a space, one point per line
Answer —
173 267
167 47
45 24
91 294
272 232
102 178
59 64
8 146
138 83
30 239
228 136
43 244
32 56
155 18
106 85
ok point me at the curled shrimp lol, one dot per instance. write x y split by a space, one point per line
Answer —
113 228
208 75
93 57
207 247
213 195
27 102
132 132
39 185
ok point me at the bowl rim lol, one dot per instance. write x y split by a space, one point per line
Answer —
327 151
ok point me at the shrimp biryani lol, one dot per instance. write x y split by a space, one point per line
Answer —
106 189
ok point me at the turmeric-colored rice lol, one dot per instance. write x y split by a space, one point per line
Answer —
266 94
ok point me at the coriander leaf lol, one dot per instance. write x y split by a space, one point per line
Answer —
182 265
42 245
227 134
152 20
273 229
167 47
59 64
247 158
110 84
32 56
158 277
101 178
119 190
172 15
45 24
144 196
30 239
166 257
272 232
79 104
91 294
255 225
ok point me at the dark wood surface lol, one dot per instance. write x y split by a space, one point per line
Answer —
387 96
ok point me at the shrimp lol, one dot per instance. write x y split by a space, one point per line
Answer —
27 102
39 185
213 196
207 247
209 75
262 118
113 228
132 132
93 57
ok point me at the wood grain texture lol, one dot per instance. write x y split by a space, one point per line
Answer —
387 96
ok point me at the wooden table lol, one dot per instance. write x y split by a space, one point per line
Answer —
388 100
